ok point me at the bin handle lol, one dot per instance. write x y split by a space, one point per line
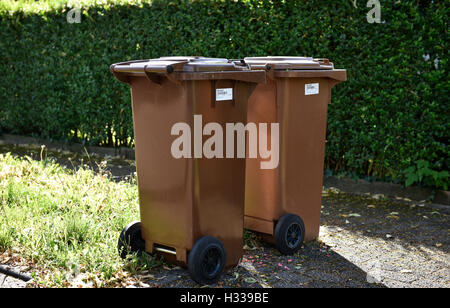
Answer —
119 76
263 67
154 72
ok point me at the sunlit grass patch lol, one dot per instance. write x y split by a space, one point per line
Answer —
66 222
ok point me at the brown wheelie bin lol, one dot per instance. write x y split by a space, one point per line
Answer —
284 202
191 206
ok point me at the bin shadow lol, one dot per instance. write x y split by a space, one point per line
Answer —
263 266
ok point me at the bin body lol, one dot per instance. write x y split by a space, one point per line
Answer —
183 199
295 185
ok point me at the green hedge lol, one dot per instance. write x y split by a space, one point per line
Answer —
388 121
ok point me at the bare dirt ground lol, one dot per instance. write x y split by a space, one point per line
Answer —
365 241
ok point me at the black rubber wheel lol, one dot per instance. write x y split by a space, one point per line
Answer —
130 240
206 261
289 234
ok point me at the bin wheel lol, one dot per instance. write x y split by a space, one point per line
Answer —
289 234
206 260
130 240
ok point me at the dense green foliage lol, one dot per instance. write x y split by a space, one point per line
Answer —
389 117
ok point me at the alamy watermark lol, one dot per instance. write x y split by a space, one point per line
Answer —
213 147
374 14
74 14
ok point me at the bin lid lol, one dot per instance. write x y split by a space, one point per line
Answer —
180 64
295 63
187 68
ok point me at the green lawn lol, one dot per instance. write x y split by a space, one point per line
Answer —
65 222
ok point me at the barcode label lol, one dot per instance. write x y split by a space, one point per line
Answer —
311 88
225 94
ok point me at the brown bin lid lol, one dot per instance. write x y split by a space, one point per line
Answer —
187 68
188 64
295 63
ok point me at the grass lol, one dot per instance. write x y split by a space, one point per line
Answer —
66 222
43 6
32 6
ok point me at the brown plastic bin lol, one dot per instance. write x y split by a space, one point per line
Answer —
284 203
192 209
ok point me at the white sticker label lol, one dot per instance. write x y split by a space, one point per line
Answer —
311 88
225 94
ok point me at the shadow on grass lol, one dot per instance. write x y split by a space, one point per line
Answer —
120 169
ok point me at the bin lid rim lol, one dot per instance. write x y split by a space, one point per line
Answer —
195 59
180 64
290 62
